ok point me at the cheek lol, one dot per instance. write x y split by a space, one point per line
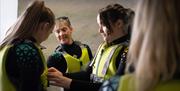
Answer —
56 34
105 31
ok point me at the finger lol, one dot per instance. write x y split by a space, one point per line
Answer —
52 69
50 76
55 84
54 80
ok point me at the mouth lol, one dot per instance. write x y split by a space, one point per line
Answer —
63 38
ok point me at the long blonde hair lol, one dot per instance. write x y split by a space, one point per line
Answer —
28 22
155 44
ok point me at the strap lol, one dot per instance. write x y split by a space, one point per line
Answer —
93 61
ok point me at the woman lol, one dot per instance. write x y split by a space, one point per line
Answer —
70 56
23 66
155 48
109 59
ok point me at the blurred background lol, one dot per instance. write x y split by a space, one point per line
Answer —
82 14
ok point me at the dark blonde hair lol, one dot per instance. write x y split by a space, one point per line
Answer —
28 22
155 44
64 19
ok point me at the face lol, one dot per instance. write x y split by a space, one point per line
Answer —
103 30
46 33
117 30
63 33
43 32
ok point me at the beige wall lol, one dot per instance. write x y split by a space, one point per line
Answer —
82 14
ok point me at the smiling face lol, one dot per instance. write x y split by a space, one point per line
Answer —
103 30
113 34
63 32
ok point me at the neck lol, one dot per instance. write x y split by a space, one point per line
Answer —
37 39
70 42
120 35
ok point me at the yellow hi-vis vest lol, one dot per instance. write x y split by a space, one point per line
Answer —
127 83
5 83
104 63
74 64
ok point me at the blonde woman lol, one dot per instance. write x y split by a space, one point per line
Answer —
70 55
155 48
22 64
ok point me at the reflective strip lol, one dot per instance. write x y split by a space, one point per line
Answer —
108 60
97 52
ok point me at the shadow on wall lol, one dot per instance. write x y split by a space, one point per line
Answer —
82 14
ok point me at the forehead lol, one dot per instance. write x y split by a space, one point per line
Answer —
61 24
98 19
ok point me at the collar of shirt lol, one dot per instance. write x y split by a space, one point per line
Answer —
119 40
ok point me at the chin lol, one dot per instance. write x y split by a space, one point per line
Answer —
64 42
105 39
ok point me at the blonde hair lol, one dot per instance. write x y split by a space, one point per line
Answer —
64 20
28 22
155 44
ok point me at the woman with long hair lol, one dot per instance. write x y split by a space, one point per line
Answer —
22 64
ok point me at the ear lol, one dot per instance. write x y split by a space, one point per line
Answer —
71 28
45 26
119 23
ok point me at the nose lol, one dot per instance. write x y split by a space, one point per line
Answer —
60 33
100 30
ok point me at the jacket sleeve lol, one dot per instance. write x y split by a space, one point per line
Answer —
57 61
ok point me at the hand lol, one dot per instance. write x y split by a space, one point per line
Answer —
56 78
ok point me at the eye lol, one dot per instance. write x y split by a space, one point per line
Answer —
64 29
57 31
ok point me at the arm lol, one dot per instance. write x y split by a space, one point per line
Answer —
58 79
82 75
57 61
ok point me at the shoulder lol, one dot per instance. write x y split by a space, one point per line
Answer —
125 44
24 43
26 50
58 48
56 55
124 47
26 53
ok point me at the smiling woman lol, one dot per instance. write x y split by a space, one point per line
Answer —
83 16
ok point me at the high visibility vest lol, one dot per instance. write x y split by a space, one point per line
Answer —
74 64
104 63
5 83
127 83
